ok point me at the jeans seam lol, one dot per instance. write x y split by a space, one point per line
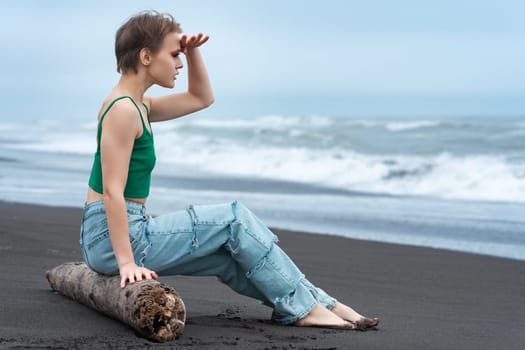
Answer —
144 253
86 257
194 241
266 259
83 246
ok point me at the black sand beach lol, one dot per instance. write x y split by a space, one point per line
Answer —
426 298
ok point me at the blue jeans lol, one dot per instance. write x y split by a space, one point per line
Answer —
225 240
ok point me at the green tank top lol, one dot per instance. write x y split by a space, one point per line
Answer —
142 160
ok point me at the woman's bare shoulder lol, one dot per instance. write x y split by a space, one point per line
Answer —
105 103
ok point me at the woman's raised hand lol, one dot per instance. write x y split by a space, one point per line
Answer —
192 41
131 272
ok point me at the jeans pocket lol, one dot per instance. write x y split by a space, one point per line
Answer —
97 239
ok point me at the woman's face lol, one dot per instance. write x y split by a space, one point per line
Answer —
167 61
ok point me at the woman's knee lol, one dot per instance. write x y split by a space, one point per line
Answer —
246 216
250 239
239 208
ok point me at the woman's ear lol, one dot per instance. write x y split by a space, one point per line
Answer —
145 56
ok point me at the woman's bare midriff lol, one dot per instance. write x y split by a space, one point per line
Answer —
93 196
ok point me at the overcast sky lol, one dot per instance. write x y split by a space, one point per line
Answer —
456 52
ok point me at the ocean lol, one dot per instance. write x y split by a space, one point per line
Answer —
453 183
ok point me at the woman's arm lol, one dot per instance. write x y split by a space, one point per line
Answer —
199 94
116 145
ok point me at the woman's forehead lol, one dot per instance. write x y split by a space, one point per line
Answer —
172 41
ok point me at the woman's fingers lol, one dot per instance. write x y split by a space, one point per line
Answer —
136 275
147 275
199 39
193 40
150 274
129 277
204 39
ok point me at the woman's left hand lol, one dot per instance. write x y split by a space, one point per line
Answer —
188 43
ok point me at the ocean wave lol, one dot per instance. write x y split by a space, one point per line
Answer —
322 150
407 125
271 121
279 122
480 177
57 142
402 126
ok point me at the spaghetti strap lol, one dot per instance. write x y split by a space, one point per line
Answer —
147 111
141 119
119 98
110 105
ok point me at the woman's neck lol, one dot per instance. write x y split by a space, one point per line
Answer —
134 85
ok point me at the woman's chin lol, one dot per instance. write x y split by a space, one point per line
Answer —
168 85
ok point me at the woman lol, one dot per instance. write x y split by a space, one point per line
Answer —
225 240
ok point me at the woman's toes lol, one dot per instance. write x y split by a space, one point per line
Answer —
366 322
320 316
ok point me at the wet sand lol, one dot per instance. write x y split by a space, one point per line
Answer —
426 298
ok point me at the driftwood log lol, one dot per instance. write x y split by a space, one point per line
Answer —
153 309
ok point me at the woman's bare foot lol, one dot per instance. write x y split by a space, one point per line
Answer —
347 313
322 317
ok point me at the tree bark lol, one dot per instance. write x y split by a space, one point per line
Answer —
153 309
